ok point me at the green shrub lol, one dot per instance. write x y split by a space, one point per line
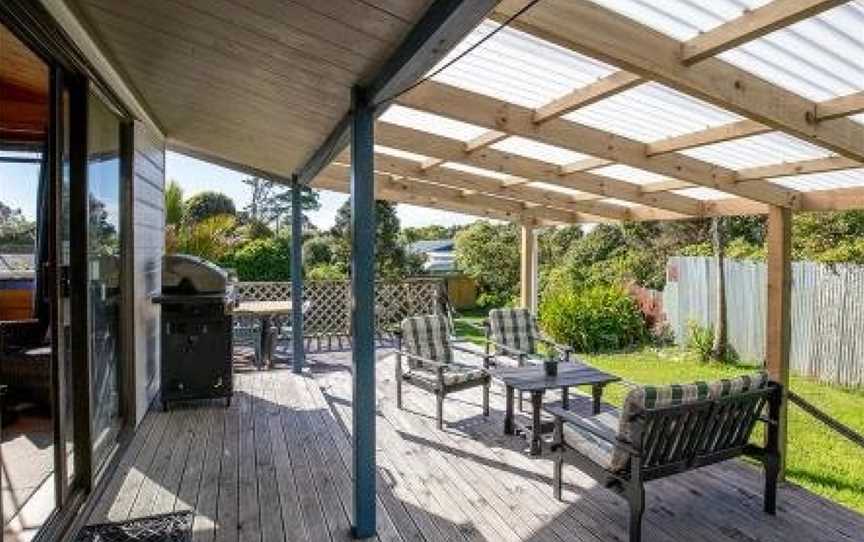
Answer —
262 260
204 205
326 271
593 318
317 251
700 339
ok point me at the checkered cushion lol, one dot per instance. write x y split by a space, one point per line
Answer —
428 337
645 398
514 328
452 376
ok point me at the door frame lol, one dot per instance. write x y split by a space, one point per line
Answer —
31 23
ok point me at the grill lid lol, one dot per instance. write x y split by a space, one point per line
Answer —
184 274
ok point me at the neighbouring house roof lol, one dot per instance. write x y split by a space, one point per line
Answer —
16 266
435 245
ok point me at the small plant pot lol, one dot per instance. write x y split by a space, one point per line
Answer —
551 368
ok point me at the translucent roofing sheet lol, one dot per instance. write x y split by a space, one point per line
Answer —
703 193
434 124
756 151
518 68
620 202
629 174
823 181
529 148
651 112
478 171
819 58
556 188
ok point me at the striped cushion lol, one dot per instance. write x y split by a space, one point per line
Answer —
428 337
452 376
514 328
653 397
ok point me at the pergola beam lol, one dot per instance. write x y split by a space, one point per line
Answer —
409 139
751 25
441 28
467 106
584 96
596 31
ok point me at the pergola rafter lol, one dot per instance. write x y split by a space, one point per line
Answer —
466 106
751 25
596 31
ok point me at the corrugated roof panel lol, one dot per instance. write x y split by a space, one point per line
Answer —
629 174
651 112
703 193
823 181
755 151
479 171
518 68
682 19
620 202
434 124
820 58
539 151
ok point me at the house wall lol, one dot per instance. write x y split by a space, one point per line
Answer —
148 242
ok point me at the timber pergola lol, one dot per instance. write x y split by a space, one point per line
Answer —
577 112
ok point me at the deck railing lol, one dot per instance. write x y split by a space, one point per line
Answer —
329 310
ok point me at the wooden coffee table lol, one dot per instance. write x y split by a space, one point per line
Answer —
533 379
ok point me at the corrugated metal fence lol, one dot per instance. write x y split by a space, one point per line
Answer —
827 312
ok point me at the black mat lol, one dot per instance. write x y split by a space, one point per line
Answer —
174 527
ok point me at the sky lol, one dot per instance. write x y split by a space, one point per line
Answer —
196 176
18 184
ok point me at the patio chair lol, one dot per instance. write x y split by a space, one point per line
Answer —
247 333
25 361
425 342
515 336
667 430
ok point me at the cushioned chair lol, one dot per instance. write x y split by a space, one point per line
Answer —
516 338
425 343
665 430
246 333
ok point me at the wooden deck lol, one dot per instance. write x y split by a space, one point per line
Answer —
275 466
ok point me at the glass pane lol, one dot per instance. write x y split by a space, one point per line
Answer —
64 260
26 423
103 255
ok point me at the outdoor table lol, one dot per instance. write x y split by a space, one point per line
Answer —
533 379
266 311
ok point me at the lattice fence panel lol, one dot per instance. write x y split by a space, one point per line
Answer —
329 311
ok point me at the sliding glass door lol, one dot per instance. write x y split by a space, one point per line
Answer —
104 267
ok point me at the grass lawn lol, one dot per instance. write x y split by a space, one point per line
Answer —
819 459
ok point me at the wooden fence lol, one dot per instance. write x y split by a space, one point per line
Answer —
827 313
329 312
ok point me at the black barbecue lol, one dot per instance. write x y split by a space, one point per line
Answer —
197 300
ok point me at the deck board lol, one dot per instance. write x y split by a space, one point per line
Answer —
276 466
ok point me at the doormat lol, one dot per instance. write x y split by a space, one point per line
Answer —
172 527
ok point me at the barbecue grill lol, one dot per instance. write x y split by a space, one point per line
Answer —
197 301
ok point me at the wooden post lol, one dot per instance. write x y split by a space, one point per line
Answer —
778 324
363 312
298 352
528 268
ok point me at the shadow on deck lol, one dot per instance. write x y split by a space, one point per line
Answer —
275 466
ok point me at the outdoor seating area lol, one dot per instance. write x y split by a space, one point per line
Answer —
276 465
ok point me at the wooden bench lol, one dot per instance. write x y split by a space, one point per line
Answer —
662 431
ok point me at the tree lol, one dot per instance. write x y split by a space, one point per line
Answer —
271 202
208 204
489 253
718 349
15 229
173 203
391 259
426 233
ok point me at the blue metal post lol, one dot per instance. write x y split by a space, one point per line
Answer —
363 311
297 358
